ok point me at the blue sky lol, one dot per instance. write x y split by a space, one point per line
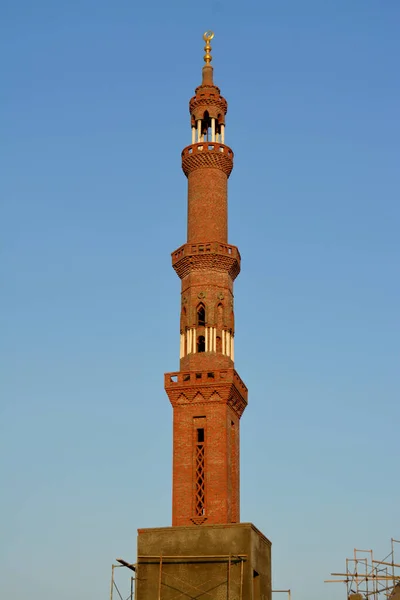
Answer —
94 109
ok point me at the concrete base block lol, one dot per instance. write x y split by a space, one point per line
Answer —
206 562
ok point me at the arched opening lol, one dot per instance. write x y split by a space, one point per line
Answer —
201 315
206 126
201 343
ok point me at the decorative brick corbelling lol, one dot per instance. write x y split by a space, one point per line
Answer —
205 88
224 386
210 262
205 249
207 154
216 105
198 520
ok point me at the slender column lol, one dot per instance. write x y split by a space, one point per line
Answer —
232 348
194 340
223 341
189 341
228 343
199 130
222 134
206 337
213 130
193 135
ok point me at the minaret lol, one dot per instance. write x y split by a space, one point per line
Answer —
207 553
207 394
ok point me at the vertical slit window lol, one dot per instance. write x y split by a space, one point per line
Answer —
200 505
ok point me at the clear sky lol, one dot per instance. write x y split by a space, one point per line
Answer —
94 110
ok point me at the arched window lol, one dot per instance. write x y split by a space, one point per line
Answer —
201 343
201 315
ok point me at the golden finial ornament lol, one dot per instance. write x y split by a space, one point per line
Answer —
207 37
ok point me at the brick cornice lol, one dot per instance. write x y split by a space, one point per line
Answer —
207 387
207 154
208 99
206 256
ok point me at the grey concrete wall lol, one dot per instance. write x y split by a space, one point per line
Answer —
194 563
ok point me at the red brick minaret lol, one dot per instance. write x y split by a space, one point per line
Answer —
207 394
207 553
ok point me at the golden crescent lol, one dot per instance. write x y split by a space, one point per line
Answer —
208 36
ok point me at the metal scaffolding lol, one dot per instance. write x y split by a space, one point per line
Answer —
125 588
227 579
288 592
123 582
370 579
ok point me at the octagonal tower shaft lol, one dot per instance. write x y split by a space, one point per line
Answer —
207 394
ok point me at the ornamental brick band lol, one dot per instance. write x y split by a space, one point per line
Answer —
218 386
216 106
205 248
207 154
207 262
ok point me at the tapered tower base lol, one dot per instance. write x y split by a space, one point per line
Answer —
208 562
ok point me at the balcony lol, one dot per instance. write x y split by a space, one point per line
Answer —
205 248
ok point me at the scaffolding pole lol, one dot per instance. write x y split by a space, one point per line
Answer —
114 585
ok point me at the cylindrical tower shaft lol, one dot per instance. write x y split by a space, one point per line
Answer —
207 205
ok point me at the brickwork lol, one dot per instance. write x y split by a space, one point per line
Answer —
207 205
207 154
213 401
208 98
207 395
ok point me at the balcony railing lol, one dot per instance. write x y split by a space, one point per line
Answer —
205 377
205 248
